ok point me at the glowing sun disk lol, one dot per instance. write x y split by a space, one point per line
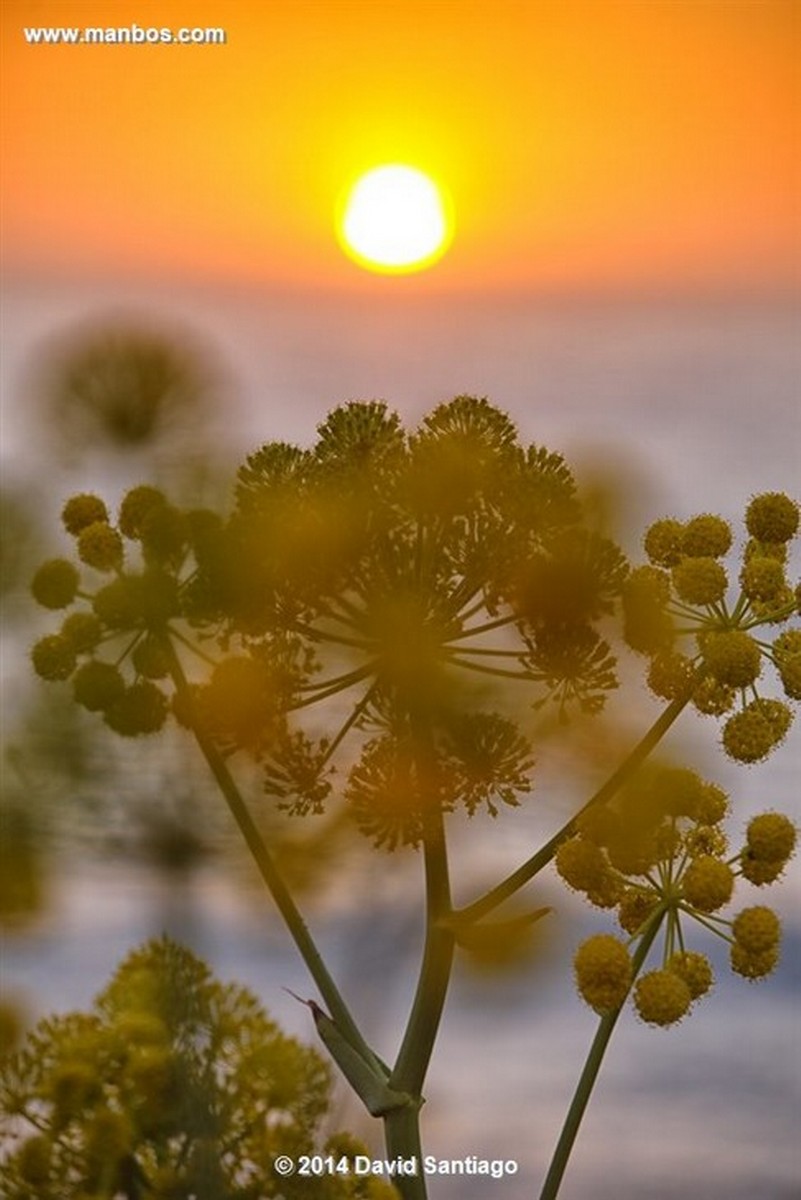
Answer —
395 219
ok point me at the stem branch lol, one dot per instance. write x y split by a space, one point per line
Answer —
266 865
592 1066
532 866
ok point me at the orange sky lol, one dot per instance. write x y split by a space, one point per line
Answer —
597 144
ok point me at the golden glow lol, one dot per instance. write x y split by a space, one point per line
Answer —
585 145
395 219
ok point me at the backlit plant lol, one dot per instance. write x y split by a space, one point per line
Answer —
418 578
174 1085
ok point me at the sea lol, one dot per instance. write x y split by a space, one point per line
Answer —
668 405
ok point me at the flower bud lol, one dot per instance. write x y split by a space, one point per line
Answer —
661 998
81 511
772 517
55 584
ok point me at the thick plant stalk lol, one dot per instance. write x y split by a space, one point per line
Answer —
402 1126
402 1140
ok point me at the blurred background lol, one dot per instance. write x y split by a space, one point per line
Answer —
622 280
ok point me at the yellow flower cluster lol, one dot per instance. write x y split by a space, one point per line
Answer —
137 603
684 592
659 855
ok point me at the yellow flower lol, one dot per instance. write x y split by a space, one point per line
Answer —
603 972
662 997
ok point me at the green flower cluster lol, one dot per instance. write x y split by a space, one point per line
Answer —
660 857
684 594
173 1086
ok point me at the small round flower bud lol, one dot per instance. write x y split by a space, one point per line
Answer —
732 657
713 698
607 892
661 998
706 839
706 536
755 549
141 709
753 966
695 969
772 517
100 546
757 929
634 909
135 506
119 604
670 676
750 735
708 883
663 542
771 837
713 804
775 611
83 630
55 583
581 864
760 872
787 645
83 510
700 580
790 675
603 972
97 685
762 579
163 534
777 713
787 656
53 657
150 658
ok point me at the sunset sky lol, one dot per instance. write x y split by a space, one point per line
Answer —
585 145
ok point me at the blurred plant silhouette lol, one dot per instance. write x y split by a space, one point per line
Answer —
124 387
391 590
173 1086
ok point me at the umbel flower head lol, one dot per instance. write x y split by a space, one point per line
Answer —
703 639
660 856
392 569
173 1085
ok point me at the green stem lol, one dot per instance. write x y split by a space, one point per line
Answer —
497 671
498 623
267 868
532 866
402 1139
435 971
592 1066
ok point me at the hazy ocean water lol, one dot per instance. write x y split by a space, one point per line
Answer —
696 406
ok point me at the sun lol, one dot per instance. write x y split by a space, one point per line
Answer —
395 219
